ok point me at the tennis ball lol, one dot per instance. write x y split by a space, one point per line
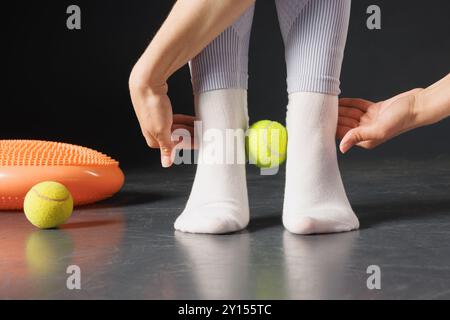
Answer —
266 144
48 205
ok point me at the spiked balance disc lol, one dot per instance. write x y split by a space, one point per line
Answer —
89 175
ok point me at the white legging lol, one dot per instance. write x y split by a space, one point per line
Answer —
314 34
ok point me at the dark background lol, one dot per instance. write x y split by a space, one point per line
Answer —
72 86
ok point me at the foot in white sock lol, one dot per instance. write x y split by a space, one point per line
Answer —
219 202
315 199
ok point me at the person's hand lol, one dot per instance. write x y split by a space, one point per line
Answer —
368 124
154 112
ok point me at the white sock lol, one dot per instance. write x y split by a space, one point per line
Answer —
218 202
315 199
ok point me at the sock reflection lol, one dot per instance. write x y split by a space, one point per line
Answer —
234 267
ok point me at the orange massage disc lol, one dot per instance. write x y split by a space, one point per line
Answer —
89 175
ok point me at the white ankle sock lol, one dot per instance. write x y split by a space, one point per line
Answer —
315 199
218 202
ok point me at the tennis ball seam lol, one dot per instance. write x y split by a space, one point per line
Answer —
41 196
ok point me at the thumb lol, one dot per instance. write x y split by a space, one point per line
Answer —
166 146
354 137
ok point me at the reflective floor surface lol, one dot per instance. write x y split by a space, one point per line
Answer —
126 247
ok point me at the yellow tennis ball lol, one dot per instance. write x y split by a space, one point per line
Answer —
48 205
266 144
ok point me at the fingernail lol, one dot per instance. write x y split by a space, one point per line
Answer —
165 161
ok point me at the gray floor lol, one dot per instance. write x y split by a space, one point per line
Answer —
126 247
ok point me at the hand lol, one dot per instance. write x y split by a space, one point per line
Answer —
368 124
154 112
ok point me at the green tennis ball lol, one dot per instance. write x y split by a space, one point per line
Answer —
48 205
266 144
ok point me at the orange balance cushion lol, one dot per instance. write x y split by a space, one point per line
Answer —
88 174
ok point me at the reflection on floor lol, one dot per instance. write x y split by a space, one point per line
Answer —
126 246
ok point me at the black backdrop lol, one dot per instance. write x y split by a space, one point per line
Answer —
72 86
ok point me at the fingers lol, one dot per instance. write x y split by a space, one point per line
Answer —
160 121
353 137
162 138
184 119
151 142
349 112
347 122
185 124
348 141
185 127
370 144
166 145
358 103
342 131
184 137
154 111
